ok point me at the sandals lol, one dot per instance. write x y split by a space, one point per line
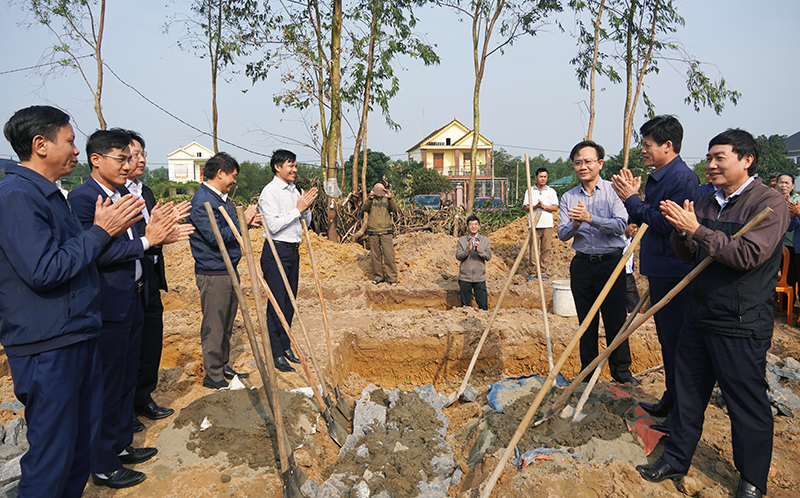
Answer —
393 284
376 282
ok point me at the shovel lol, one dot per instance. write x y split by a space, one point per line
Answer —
526 420
453 397
335 430
323 383
538 266
650 312
341 405
596 374
561 401
291 475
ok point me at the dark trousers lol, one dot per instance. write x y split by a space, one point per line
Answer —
479 289
119 344
587 280
669 322
62 391
150 353
737 364
631 292
290 259
219 304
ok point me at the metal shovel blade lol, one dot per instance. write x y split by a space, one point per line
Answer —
337 416
342 405
293 479
335 431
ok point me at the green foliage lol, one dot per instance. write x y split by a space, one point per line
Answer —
79 174
377 168
427 181
398 176
613 165
149 176
251 180
773 157
700 170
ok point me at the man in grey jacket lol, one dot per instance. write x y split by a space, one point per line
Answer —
473 250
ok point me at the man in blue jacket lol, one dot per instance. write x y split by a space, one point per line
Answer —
49 311
673 180
217 297
123 290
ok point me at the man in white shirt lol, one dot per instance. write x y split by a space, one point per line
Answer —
282 206
544 200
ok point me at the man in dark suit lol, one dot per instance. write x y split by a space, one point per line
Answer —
153 330
122 293
50 316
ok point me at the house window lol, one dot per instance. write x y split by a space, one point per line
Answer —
467 158
199 154
438 161
447 141
181 171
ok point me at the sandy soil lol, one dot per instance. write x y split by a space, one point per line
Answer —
403 337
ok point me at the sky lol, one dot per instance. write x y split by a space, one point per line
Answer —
530 98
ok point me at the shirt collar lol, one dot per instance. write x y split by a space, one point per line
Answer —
223 196
596 187
109 193
282 184
46 186
719 195
662 171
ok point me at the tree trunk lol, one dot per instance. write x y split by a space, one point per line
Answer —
336 118
214 49
593 70
99 58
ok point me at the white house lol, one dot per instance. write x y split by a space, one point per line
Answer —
186 164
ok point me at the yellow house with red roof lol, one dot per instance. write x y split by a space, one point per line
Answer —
448 150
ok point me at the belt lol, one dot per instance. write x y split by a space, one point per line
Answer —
293 245
139 287
597 258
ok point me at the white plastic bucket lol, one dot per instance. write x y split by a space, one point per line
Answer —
563 304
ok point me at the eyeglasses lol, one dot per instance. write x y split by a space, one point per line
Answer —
121 159
142 154
578 164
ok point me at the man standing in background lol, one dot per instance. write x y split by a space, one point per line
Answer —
153 328
473 251
544 200
380 205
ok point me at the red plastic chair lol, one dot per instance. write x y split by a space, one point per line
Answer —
784 288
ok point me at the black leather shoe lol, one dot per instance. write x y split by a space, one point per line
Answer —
654 409
289 355
630 380
229 373
137 455
658 472
213 384
747 490
283 365
138 426
120 478
664 426
153 411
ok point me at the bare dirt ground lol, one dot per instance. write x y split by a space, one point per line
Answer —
403 337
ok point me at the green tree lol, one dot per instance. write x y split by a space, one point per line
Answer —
219 31
377 167
398 175
641 34
372 79
613 164
513 19
428 181
251 180
79 174
76 24
149 176
773 156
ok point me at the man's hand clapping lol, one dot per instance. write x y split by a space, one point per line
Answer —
117 217
307 198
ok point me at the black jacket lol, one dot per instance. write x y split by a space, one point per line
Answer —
733 296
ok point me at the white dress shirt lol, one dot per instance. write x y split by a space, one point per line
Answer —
278 203
114 195
135 188
549 198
